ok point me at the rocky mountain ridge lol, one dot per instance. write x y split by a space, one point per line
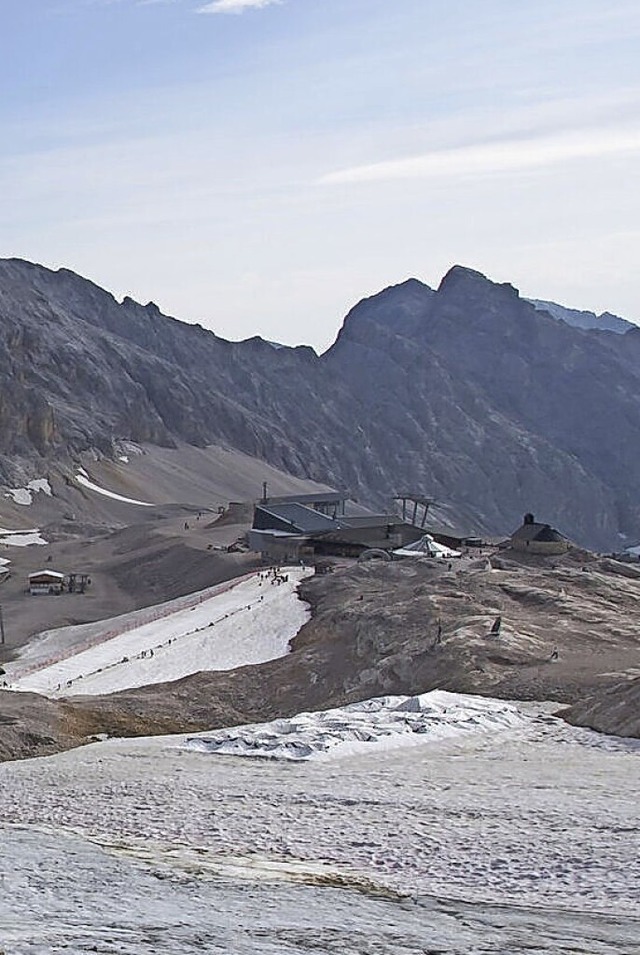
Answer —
605 322
468 393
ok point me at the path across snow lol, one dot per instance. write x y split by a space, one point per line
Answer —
250 622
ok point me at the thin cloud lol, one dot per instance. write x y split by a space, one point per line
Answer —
236 6
507 156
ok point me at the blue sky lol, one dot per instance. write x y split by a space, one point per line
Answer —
259 166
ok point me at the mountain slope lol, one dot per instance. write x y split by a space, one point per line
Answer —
500 403
467 393
580 319
80 371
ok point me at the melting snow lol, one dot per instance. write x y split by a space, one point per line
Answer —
20 495
82 479
386 721
21 538
248 622
140 846
24 495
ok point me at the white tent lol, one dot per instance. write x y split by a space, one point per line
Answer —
427 547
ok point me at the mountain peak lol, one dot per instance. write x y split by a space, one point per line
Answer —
461 273
462 278
397 309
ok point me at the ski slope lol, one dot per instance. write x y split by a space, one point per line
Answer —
250 622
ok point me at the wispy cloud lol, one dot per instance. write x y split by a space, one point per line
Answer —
503 157
236 6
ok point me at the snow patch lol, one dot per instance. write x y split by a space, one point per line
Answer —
40 485
83 480
21 538
24 495
20 495
387 721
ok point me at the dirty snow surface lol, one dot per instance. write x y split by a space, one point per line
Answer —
513 837
232 625
387 721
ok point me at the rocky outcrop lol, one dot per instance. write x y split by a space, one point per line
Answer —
467 393
614 710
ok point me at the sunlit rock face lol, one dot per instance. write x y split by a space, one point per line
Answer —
468 393
496 403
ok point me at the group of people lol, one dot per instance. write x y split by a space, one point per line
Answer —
274 576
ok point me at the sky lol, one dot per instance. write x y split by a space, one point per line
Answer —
258 166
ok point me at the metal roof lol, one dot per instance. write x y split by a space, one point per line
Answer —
537 532
320 497
301 518
371 520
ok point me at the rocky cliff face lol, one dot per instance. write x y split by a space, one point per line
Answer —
467 393
499 403
80 371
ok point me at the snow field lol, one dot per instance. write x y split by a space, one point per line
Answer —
539 819
52 646
250 622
